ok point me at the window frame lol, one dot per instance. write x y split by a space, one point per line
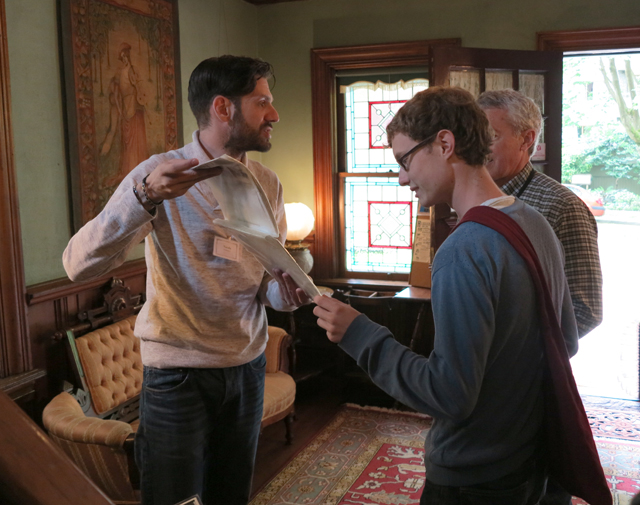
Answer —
342 174
325 63
589 40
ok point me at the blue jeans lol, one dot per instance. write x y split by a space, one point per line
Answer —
523 487
198 433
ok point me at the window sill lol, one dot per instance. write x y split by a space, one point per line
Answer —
374 285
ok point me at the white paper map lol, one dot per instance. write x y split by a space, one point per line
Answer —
249 219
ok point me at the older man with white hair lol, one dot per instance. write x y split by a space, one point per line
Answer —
516 121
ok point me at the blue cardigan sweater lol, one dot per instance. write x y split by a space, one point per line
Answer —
482 382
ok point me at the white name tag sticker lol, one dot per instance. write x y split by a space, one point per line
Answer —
227 249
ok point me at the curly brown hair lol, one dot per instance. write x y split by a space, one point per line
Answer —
443 108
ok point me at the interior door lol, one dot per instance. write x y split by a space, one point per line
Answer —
537 74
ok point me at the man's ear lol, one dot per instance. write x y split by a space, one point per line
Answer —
528 139
447 144
222 109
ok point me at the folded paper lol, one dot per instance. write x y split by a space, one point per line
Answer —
249 219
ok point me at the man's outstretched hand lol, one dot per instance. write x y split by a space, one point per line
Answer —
289 290
173 178
334 316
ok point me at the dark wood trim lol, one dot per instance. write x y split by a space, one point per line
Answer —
324 64
15 355
60 288
22 389
584 40
34 470
15 385
323 90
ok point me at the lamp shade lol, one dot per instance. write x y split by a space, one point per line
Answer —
300 220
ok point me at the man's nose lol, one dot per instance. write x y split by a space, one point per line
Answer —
272 116
403 177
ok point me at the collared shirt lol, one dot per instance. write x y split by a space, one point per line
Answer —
577 230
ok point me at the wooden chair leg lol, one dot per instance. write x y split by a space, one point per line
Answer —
288 422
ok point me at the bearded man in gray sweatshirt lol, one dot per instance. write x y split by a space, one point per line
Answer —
203 328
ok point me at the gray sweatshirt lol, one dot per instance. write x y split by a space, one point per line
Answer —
202 311
482 382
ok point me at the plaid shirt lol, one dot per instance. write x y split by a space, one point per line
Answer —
577 230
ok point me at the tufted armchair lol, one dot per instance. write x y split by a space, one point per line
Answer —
96 425
279 386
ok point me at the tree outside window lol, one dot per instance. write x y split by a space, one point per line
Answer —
601 128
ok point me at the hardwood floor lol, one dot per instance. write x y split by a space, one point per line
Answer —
317 401
316 404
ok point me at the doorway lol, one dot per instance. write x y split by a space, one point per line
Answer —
601 163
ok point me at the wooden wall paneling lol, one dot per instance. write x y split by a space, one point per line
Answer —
15 355
21 388
324 64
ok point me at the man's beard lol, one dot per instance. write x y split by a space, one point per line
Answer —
243 138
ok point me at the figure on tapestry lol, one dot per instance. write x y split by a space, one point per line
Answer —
127 116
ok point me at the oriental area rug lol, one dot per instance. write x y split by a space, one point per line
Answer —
368 455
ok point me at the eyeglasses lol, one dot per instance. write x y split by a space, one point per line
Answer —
415 148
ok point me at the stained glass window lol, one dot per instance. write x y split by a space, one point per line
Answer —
379 218
390 224
379 214
369 109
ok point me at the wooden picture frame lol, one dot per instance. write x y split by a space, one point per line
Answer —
123 95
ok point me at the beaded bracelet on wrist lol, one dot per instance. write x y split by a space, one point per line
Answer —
144 192
146 205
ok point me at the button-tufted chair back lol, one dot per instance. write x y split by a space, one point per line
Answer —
111 362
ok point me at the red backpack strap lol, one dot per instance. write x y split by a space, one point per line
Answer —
571 450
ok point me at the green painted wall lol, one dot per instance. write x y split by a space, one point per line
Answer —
289 30
207 28
38 136
282 34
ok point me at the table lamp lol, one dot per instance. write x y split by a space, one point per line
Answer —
300 222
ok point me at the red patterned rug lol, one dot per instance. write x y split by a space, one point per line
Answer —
618 424
368 455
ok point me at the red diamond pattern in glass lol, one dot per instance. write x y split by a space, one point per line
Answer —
390 224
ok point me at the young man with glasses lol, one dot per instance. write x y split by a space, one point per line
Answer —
483 381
